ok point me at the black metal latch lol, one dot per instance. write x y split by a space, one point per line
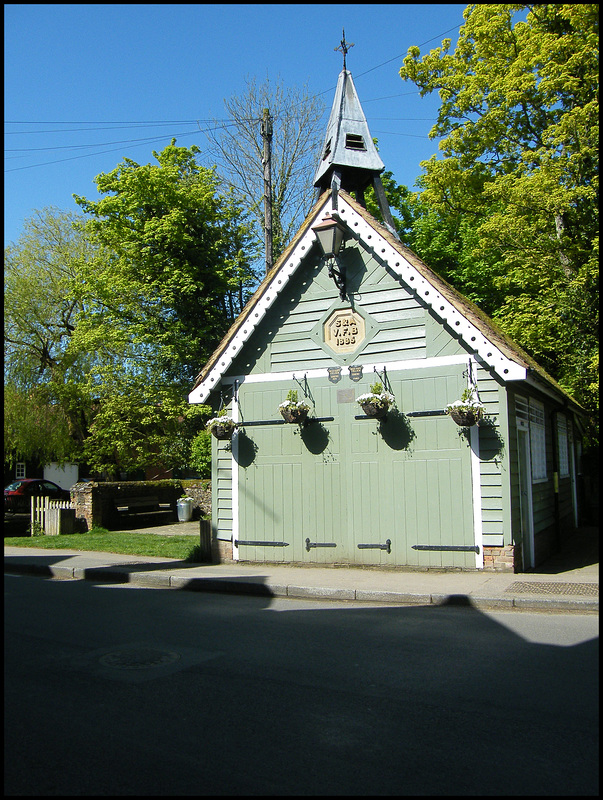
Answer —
387 546
310 544
451 547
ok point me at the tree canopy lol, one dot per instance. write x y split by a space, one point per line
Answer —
109 316
173 270
515 191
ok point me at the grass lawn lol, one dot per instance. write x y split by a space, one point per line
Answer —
184 548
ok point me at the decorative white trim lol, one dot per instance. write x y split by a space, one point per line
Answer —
255 315
234 482
504 367
368 369
476 481
491 355
477 498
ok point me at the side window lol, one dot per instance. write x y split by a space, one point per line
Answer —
530 417
562 447
537 441
19 470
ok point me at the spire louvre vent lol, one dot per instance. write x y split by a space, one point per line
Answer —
353 141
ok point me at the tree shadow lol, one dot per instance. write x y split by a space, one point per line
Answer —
345 700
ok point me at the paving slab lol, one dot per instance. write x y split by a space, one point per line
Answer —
568 585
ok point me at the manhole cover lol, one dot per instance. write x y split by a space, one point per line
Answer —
536 587
139 659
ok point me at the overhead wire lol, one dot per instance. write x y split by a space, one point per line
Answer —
217 124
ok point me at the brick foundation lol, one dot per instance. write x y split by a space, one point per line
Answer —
500 559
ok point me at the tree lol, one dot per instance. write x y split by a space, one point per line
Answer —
35 429
39 314
45 412
172 274
519 174
177 272
297 137
109 318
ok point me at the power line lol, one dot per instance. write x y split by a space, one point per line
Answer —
151 123
87 155
111 125
433 38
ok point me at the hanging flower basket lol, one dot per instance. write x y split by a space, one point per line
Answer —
292 414
465 418
221 427
293 411
373 408
467 411
376 402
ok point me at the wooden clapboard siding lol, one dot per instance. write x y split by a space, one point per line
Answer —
492 461
361 490
221 490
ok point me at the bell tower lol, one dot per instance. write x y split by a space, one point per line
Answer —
349 159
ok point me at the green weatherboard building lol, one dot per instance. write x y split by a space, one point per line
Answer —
412 488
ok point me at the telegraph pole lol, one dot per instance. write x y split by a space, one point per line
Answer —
266 128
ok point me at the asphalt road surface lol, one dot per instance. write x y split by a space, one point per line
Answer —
117 690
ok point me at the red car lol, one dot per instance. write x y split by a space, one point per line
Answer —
18 493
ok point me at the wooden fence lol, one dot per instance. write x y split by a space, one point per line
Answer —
53 516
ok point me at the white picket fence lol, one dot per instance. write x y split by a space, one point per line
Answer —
49 515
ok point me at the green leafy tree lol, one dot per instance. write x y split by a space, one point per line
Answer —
200 459
34 428
172 274
45 410
177 272
518 176
109 317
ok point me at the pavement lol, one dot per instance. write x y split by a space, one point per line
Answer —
569 581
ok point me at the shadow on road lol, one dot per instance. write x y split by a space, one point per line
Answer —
288 699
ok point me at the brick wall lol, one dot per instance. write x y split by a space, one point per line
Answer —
500 559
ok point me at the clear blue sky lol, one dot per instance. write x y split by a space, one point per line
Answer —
84 84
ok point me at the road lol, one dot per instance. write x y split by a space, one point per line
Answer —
117 690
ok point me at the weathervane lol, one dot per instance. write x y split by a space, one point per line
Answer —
344 47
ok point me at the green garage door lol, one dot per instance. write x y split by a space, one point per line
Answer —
353 490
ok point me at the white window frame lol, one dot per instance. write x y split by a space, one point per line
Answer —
537 441
562 446
530 416
20 470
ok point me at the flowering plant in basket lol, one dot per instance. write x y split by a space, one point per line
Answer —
467 411
293 410
376 402
222 426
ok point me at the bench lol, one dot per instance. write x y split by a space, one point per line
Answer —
142 505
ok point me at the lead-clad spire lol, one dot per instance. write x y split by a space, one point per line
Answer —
349 159
348 144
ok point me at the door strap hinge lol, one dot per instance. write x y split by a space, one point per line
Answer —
436 413
252 543
463 548
310 544
387 546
